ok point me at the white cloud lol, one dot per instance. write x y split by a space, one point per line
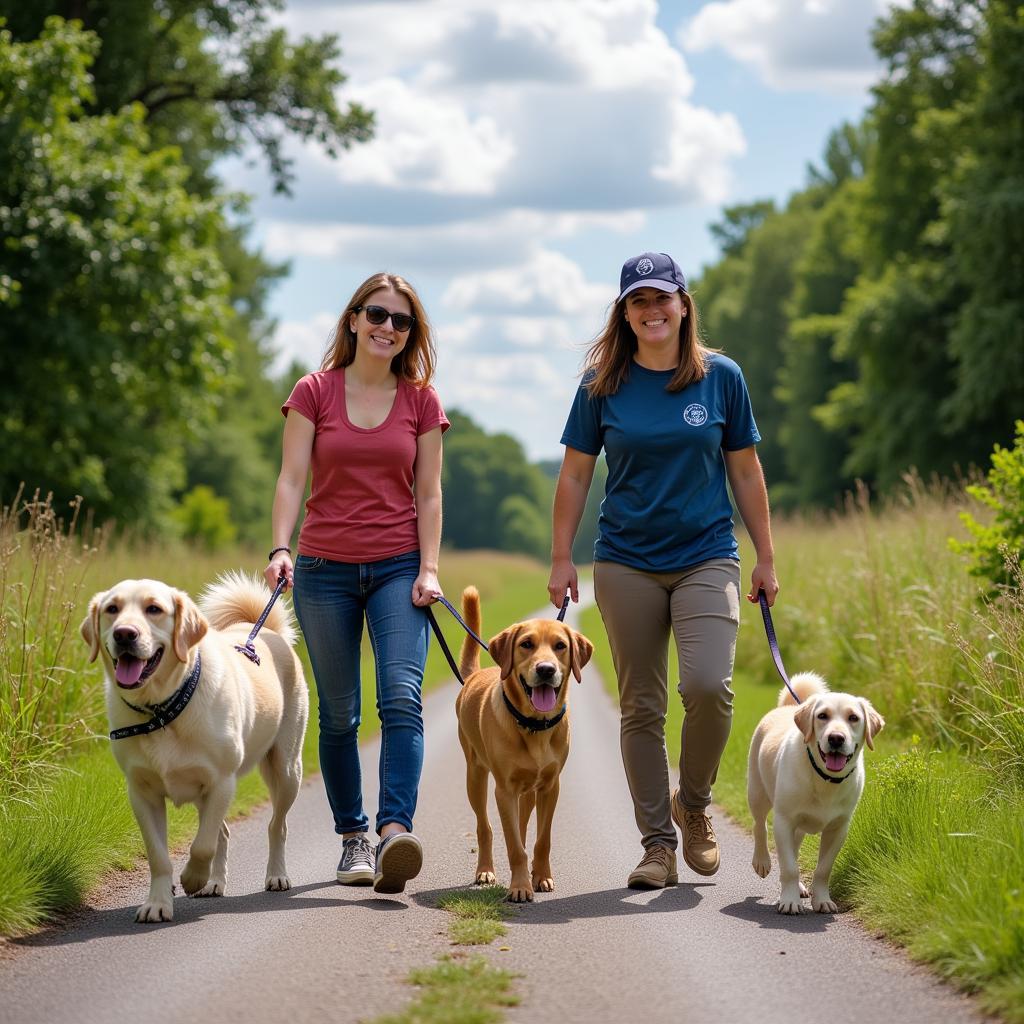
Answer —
549 284
557 105
425 143
793 44
303 341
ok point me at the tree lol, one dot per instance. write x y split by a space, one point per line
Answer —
481 471
114 302
211 76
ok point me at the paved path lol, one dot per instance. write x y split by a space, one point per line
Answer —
707 950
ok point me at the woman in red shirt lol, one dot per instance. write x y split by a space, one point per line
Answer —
368 425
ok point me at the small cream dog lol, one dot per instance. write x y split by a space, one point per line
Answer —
153 638
806 763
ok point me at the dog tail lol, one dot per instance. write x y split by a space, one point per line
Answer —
238 597
470 660
805 683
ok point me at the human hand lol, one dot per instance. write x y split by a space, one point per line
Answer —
763 578
426 589
563 577
280 565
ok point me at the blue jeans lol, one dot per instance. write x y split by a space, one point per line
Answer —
331 599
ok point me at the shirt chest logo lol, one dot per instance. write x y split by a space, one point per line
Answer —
695 414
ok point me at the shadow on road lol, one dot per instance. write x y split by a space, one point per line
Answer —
87 924
547 909
766 915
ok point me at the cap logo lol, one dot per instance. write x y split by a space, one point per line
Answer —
695 414
645 266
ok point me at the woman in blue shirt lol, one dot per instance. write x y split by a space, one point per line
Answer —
675 423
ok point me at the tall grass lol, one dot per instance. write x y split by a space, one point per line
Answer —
44 709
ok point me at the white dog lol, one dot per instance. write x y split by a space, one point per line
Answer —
199 716
806 763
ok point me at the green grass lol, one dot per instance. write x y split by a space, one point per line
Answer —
457 991
478 914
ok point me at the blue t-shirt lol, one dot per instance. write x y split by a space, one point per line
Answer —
666 506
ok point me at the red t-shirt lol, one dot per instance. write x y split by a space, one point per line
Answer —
362 507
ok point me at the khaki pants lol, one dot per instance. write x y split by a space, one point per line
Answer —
700 607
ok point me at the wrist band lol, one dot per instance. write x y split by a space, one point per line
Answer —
270 557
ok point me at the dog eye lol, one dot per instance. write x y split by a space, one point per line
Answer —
111 609
853 719
527 644
154 609
560 645
823 716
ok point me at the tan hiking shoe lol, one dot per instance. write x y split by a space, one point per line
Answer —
700 848
656 870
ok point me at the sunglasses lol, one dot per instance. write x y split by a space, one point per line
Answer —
402 322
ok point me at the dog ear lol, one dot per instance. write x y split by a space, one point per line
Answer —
580 652
874 723
90 627
804 718
189 625
502 647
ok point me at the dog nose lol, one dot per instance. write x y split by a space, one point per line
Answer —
835 741
126 634
545 670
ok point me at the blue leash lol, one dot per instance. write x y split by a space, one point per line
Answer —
773 643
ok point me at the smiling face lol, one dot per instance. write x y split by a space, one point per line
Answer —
380 341
835 727
536 657
656 318
142 626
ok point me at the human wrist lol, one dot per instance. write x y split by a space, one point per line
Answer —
278 550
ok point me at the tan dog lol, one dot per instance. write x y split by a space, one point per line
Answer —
806 763
535 660
240 715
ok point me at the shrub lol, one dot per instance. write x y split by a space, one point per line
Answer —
996 544
205 518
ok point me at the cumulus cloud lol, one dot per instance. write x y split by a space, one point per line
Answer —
793 44
544 104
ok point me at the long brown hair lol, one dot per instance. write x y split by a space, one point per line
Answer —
611 352
415 362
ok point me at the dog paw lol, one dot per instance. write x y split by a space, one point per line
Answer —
789 902
214 887
154 911
278 883
804 892
543 885
195 875
520 894
762 866
485 878
824 904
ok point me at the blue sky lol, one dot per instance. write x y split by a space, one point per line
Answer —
524 149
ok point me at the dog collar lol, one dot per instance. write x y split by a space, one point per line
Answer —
831 778
533 724
165 712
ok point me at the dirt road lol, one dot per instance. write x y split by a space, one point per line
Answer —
707 950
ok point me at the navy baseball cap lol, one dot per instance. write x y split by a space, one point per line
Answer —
651 270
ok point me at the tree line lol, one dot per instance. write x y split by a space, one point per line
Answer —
879 314
876 314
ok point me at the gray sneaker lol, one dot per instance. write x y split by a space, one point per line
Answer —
356 864
399 858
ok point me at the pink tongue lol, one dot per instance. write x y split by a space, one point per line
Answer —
835 762
128 670
543 697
